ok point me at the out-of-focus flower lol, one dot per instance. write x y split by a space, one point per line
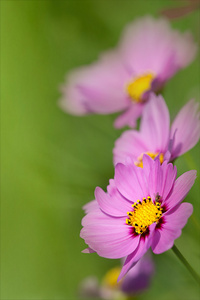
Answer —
137 280
89 288
181 11
149 53
151 197
155 136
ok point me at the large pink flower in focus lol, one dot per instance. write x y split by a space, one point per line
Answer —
149 53
141 209
155 136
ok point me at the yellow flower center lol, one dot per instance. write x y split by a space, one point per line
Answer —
144 214
110 278
139 162
139 85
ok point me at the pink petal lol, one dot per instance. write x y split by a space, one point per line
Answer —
130 116
160 178
153 135
186 49
90 206
155 177
152 54
134 257
114 205
181 188
167 156
174 221
127 180
109 236
132 144
163 241
139 277
177 217
155 124
150 45
147 165
169 177
98 88
114 193
186 129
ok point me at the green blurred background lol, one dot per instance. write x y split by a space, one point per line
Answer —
52 162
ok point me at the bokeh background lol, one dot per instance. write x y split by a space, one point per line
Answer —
52 162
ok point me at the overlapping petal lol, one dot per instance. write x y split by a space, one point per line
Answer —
155 124
114 205
160 178
134 257
181 188
128 183
97 88
130 116
131 143
110 237
139 277
170 230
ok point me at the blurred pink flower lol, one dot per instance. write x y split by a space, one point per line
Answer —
155 136
149 53
151 197
136 281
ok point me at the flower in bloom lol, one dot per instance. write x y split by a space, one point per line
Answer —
149 53
136 281
155 136
141 209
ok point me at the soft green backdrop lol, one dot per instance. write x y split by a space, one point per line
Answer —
52 162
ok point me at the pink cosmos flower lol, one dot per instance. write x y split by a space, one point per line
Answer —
155 136
141 209
149 53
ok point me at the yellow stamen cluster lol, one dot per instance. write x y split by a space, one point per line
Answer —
138 86
139 162
144 214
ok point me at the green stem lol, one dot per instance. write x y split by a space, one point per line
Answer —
187 265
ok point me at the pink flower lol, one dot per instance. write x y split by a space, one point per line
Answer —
141 209
149 53
155 136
